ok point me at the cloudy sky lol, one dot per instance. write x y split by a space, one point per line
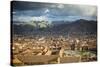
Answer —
28 11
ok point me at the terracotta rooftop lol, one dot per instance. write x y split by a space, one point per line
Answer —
36 58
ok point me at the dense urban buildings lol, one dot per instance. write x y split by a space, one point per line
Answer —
29 51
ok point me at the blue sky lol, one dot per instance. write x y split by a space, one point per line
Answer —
28 11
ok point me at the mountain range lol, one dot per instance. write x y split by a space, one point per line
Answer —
61 27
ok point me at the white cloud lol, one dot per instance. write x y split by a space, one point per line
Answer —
87 10
53 6
40 18
46 11
60 6
65 12
22 18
